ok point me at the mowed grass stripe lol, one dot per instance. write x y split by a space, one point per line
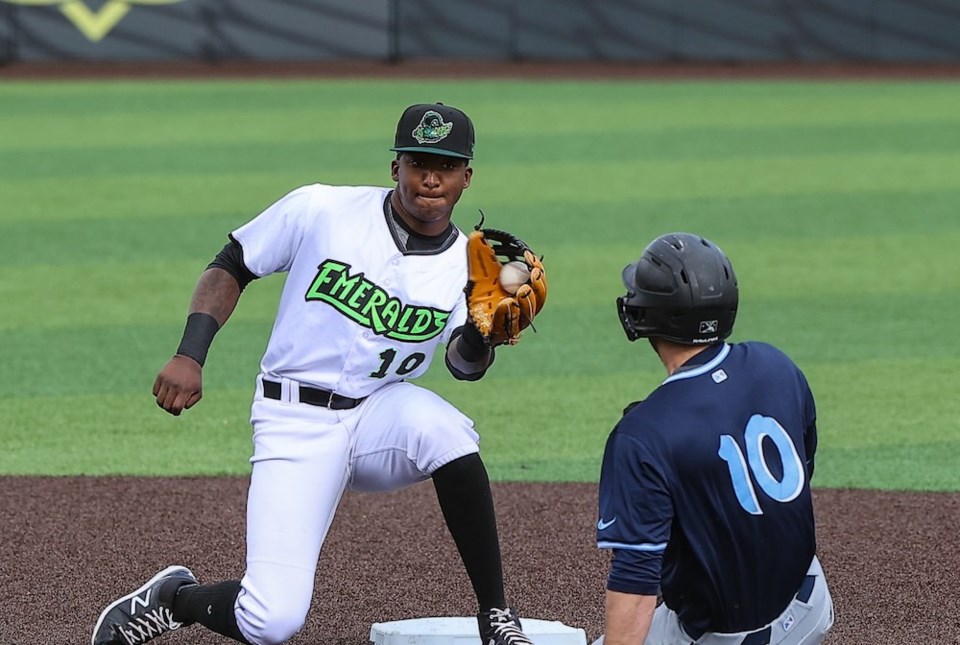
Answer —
49 117
58 245
514 105
279 152
114 294
572 341
121 359
772 219
151 198
109 433
151 195
217 434
775 219
846 270
888 424
222 124
774 268
731 177
919 427
214 437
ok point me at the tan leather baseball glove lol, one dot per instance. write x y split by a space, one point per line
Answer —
497 313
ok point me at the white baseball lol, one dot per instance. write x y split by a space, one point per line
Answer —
513 274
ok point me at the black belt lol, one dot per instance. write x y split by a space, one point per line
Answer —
759 637
762 636
313 396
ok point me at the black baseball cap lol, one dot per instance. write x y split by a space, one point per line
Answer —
435 128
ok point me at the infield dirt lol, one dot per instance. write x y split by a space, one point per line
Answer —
69 546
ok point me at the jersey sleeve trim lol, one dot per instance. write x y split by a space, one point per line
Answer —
230 259
603 544
638 589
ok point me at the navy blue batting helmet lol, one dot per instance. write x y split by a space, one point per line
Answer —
682 289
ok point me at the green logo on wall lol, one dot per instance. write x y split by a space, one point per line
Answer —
93 24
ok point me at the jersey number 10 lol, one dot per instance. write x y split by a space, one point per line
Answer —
783 490
406 366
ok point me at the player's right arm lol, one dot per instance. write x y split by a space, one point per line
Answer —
179 385
634 521
628 618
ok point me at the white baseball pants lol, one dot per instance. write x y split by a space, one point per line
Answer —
801 623
304 458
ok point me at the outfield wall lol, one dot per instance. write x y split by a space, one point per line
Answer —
647 31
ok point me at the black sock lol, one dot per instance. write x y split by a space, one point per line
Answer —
463 489
211 606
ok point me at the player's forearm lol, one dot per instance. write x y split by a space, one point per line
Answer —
628 618
214 299
217 293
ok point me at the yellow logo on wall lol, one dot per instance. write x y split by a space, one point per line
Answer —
93 24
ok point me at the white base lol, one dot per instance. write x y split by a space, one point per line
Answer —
463 631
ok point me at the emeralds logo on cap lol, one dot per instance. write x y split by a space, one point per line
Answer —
436 129
432 128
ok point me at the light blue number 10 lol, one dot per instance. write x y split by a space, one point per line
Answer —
794 475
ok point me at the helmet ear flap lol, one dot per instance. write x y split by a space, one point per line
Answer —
627 319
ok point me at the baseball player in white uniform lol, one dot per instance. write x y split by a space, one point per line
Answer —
375 285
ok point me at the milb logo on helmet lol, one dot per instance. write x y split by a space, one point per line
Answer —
709 326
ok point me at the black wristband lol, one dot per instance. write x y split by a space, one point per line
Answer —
197 336
472 346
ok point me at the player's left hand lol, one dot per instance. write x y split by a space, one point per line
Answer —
501 311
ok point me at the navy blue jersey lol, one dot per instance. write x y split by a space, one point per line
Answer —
705 489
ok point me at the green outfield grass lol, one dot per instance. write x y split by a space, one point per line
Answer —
839 203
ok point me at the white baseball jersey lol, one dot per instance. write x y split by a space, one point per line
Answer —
356 312
356 316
